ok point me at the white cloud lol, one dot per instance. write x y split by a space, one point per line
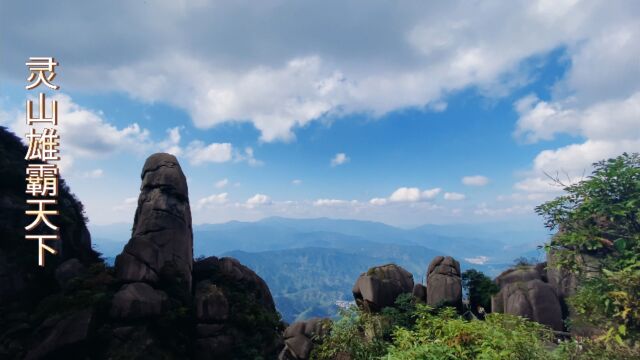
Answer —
407 195
222 183
172 144
85 134
452 196
378 201
249 157
296 182
199 153
475 180
213 200
257 200
127 205
332 202
478 260
339 159
93 174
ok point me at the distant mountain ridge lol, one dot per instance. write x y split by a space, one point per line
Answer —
309 264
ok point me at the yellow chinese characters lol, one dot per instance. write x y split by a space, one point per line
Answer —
42 176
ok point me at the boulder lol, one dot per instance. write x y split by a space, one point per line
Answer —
211 304
137 300
420 292
68 270
68 331
524 293
299 338
231 269
162 235
380 286
444 285
216 347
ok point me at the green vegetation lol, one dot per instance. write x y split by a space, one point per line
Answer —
479 288
599 241
413 330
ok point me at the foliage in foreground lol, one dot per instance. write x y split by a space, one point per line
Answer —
599 217
416 331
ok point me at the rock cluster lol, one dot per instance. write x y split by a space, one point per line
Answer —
380 286
525 292
156 303
300 337
444 285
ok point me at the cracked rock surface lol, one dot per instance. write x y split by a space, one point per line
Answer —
162 237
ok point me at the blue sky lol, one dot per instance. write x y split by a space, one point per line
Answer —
406 114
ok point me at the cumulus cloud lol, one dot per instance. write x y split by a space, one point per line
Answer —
312 66
478 260
333 202
475 180
452 196
407 195
199 153
339 159
93 174
258 200
213 200
222 183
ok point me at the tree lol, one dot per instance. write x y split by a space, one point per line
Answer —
480 289
600 217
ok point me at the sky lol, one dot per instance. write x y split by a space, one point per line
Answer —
406 112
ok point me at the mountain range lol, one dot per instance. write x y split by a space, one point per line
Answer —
310 264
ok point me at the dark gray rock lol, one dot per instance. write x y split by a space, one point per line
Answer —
444 285
380 286
420 292
300 336
137 300
211 304
162 235
68 270
524 293
216 347
67 331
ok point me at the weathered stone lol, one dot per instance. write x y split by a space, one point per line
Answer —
208 330
523 293
214 347
420 292
380 286
232 269
211 304
299 338
137 300
68 270
162 234
68 331
444 285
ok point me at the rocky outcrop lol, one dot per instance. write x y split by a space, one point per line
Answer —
523 292
300 337
162 237
19 257
145 307
380 286
444 285
137 300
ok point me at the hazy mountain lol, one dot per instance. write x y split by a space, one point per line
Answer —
309 264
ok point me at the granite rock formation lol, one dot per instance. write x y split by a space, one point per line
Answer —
525 292
162 236
300 337
380 286
444 285
145 308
